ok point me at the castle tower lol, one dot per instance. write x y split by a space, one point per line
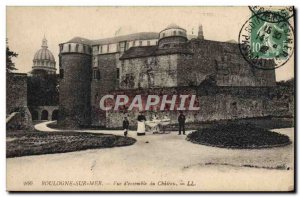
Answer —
75 85
43 61
200 32
172 36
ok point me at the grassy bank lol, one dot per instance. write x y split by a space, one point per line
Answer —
23 143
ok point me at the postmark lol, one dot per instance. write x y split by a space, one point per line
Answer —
266 45
273 14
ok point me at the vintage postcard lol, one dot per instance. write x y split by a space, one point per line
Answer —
159 99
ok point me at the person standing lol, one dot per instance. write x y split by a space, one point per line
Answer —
141 130
181 121
125 126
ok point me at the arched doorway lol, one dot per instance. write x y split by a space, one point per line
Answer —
44 115
54 115
34 115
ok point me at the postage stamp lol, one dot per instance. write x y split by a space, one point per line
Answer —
262 40
273 14
150 99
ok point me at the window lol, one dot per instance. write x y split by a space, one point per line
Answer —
148 43
94 49
61 73
100 50
163 35
141 43
122 46
69 48
118 73
133 44
98 62
84 49
108 48
174 33
94 61
76 49
96 74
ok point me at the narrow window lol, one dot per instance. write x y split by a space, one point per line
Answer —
174 33
76 49
118 73
96 74
69 47
148 43
122 46
61 73
141 43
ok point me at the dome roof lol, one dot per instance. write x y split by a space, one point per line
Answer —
44 53
173 26
43 60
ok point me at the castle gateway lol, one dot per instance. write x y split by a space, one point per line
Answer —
170 62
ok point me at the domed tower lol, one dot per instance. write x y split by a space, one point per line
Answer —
75 84
43 61
172 36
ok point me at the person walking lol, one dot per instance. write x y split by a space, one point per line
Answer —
125 126
181 121
141 128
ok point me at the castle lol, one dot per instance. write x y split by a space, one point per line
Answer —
168 62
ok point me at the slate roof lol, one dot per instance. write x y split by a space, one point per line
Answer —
135 36
129 37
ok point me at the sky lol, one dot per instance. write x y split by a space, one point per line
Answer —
26 26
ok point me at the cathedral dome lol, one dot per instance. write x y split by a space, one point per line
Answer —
44 60
44 54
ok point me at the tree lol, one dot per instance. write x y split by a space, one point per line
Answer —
10 65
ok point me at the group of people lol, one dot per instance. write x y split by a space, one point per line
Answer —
141 124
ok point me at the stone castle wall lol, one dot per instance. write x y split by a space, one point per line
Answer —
16 92
148 72
16 101
217 103
224 62
107 66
